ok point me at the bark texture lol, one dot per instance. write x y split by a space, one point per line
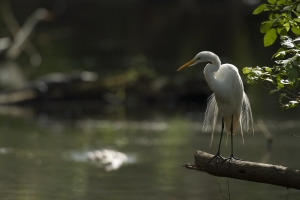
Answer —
245 170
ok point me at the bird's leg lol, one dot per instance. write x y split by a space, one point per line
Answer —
232 156
218 155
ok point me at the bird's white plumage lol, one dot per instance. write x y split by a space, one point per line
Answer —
228 99
211 115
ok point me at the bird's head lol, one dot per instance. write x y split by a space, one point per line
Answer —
203 56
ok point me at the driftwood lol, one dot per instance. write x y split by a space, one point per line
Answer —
245 170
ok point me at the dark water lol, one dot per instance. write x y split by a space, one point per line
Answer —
43 158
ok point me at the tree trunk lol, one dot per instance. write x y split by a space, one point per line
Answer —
244 170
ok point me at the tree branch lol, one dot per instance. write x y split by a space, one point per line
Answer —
249 171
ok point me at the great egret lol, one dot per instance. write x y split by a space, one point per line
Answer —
229 98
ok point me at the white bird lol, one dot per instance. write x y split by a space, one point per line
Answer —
228 98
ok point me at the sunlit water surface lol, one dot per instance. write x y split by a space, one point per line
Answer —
53 159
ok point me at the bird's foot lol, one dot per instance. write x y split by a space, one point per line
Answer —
231 158
217 156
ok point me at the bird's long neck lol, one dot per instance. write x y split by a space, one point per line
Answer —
209 73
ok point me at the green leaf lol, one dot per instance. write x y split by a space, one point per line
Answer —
296 30
291 104
284 15
279 54
247 70
287 26
281 31
298 8
287 8
283 62
286 106
276 8
259 9
265 26
268 69
279 85
251 79
281 2
289 2
296 63
296 13
256 72
276 55
292 73
283 20
270 37
271 16
274 91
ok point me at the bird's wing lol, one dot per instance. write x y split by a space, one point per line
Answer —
211 115
246 115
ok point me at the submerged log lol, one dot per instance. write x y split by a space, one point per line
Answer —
245 170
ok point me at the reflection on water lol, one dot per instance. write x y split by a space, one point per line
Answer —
48 158
107 159
5 150
123 125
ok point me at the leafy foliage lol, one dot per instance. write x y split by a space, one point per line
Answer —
283 17
283 77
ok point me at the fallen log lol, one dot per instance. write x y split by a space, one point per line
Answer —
245 170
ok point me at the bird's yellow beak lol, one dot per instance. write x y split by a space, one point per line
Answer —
186 65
